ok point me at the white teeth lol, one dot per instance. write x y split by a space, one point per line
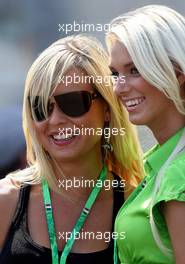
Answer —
62 136
134 102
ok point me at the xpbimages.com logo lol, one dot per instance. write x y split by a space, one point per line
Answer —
74 182
87 235
88 131
83 27
107 80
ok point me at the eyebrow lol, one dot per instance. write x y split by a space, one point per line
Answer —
126 65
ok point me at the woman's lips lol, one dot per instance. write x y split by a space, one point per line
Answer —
62 140
132 103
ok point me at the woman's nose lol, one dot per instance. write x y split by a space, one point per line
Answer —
57 116
122 85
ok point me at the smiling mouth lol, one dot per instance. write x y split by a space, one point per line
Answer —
62 137
134 102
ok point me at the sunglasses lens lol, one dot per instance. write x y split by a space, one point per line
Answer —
38 108
74 104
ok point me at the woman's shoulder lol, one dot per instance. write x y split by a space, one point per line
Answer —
9 193
9 189
172 186
176 170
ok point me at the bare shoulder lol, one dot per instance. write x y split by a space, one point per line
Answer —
9 190
9 193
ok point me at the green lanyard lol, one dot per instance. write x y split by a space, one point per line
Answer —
79 224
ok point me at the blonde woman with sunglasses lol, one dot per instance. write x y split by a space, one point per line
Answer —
62 207
147 47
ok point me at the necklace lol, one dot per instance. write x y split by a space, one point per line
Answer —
79 223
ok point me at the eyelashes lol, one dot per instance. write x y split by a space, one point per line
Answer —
114 73
132 72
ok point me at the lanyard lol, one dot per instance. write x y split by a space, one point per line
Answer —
79 223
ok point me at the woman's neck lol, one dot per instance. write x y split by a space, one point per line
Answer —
78 177
164 129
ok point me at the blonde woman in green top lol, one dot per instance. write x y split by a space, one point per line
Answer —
147 47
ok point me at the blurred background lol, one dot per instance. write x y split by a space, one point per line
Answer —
28 27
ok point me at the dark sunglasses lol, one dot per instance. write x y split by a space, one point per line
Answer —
73 104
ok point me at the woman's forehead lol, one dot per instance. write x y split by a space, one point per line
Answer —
119 55
75 79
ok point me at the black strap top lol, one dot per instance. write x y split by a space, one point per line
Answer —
19 248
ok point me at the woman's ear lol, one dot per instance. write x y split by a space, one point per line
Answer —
107 113
179 74
181 79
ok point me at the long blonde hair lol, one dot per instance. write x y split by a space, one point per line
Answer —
154 36
44 75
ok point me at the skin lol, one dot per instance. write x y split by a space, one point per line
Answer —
85 150
82 156
155 111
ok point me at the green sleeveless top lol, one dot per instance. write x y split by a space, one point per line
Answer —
138 245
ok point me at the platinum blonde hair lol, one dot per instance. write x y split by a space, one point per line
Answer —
154 36
43 77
